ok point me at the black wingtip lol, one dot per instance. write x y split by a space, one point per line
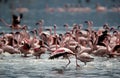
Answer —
21 15
51 58
36 23
118 26
86 21
14 16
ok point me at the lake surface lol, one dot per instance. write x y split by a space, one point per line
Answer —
15 66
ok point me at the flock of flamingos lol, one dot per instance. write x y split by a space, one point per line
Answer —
79 8
81 43
74 9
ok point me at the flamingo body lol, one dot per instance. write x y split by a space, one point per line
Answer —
85 57
60 52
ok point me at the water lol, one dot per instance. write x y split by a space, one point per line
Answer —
14 66
37 11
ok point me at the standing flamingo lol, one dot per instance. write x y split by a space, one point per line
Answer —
55 44
62 52
39 49
40 23
25 49
83 55
8 43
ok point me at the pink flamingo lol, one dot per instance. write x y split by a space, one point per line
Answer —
38 51
25 49
100 8
62 52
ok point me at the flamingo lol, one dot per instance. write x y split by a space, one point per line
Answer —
66 27
7 48
25 49
101 51
78 9
115 9
21 10
102 45
116 48
39 51
48 9
10 49
40 23
62 52
38 46
8 44
100 8
1 50
83 55
55 41
115 51
113 39
15 22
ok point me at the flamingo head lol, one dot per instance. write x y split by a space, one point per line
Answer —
78 48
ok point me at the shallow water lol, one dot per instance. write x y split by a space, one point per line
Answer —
15 66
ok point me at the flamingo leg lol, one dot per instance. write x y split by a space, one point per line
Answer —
68 61
25 55
77 65
36 57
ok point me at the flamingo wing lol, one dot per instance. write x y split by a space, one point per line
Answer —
85 57
60 52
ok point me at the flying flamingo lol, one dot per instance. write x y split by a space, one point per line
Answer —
15 22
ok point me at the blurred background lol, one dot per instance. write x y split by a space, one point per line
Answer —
60 12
